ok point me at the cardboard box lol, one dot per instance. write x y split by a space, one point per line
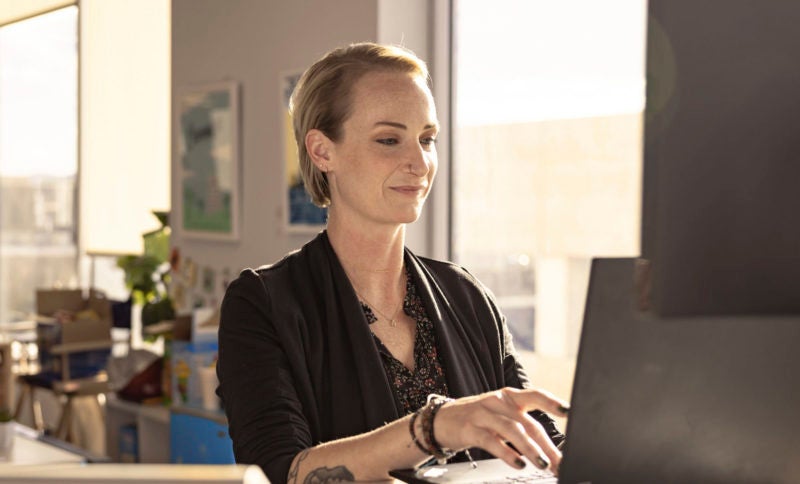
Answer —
187 358
81 327
205 324
192 347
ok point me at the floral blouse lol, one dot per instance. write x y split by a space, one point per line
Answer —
413 387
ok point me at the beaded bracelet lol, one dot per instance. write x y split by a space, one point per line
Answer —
428 413
422 443
413 434
425 423
435 402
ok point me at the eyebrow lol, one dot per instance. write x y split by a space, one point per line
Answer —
403 126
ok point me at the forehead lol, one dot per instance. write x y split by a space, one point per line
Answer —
396 94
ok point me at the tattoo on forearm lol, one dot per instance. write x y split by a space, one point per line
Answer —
325 475
292 477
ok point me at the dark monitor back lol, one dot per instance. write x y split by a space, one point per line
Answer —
680 400
721 207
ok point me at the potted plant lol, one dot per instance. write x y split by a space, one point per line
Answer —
147 275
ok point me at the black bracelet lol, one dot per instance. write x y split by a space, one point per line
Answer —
426 423
414 434
435 402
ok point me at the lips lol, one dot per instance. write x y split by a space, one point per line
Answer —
410 189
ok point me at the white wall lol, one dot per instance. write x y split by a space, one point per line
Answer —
253 42
409 23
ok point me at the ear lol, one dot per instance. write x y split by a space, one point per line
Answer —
319 148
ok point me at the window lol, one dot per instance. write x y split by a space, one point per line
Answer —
38 158
548 101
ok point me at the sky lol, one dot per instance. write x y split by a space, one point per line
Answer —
531 60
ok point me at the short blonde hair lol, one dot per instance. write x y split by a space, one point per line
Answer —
322 99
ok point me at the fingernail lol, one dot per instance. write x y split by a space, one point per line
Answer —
542 463
563 409
520 463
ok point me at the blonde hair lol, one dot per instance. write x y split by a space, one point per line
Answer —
322 99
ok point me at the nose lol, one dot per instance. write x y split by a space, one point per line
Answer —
420 161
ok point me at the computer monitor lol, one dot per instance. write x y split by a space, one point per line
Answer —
709 399
720 223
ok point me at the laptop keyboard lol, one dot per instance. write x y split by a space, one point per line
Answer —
492 471
537 476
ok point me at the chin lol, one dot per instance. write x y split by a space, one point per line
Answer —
411 217
406 215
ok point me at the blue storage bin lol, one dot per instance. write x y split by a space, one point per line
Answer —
128 444
199 437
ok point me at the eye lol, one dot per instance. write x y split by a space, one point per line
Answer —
388 141
428 141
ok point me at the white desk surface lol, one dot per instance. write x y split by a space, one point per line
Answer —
28 451
36 462
135 474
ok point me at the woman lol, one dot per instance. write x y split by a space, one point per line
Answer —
327 357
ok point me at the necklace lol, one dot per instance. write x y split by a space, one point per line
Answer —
392 320
381 271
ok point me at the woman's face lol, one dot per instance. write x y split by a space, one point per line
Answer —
382 168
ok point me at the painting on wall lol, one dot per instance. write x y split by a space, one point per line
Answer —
302 215
208 150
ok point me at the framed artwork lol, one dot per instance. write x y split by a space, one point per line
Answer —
209 168
302 216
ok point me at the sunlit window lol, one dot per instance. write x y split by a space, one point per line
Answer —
38 158
547 153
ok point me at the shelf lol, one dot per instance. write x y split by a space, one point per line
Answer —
159 413
152 424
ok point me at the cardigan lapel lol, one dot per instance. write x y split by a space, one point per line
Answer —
349 337
462 365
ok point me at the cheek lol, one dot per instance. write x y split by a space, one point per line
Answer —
433 162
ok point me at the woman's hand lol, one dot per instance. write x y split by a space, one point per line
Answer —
493 420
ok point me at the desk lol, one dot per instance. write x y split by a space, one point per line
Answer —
135 474
29 451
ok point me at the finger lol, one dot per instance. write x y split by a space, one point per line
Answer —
503 402
538 434
453 418
531 442
495 445
535 399
519 433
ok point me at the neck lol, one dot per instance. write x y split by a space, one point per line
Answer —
372 258
368 248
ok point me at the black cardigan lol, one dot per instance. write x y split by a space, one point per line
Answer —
298 364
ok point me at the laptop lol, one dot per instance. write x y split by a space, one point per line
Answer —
484 471
665 400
